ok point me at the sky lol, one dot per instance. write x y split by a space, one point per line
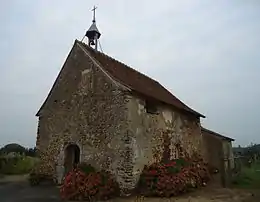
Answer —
205 52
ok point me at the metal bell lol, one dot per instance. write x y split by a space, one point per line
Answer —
92 43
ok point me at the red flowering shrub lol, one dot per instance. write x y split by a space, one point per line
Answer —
86 168
173 177
84 183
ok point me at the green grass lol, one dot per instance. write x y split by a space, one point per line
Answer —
22 165
249 178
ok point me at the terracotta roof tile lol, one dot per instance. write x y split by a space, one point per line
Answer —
137 81
207 131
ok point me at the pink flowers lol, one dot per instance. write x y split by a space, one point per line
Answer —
172 178
79 185
153 172
173 163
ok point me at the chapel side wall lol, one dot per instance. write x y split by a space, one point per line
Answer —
228 152
87 109
214 155
228 162
148 130
213 149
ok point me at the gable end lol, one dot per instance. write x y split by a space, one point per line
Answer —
119 85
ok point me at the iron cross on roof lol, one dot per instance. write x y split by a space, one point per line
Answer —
94 13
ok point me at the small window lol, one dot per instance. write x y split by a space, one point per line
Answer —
151 107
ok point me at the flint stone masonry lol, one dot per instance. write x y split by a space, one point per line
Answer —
86 108
109 124
219 155
149 132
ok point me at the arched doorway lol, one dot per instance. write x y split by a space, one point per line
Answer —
72 157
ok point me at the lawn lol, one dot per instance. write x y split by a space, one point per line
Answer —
18 165
249 178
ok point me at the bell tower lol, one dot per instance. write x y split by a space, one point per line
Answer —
93 34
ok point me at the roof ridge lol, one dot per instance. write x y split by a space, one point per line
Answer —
216 133
137 80
113 59
174 96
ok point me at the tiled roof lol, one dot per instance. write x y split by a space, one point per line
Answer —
137 81
207 131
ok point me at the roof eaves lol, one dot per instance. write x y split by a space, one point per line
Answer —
217 134
188 109
185 107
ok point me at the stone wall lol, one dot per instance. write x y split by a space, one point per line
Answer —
228 162
148 133
218 153
228 152
213 154
86 108
110 126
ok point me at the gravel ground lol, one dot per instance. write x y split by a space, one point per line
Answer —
17 189
22 192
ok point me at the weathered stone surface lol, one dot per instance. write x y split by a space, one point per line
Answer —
219 155
149 132
86 109
108 124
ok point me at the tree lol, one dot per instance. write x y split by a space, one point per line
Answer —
13 147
